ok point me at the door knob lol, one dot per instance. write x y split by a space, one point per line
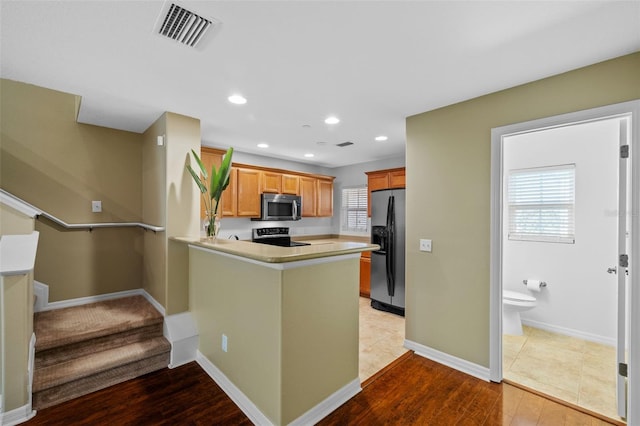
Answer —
613 270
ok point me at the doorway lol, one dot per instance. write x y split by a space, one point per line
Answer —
566 312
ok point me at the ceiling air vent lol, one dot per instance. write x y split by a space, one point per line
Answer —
182 25
343 144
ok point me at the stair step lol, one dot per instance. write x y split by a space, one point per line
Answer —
68 326
70 390
97 362
61 354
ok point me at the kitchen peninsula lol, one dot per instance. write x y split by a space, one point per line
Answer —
279 324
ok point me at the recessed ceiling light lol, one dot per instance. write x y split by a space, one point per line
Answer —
381 138
263 145
237 99
332 120
309 155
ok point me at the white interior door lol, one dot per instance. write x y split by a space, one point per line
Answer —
622 268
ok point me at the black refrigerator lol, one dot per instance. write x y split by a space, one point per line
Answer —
387 264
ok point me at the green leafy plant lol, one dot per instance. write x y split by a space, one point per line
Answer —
211 185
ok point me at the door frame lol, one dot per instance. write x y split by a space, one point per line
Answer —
631 108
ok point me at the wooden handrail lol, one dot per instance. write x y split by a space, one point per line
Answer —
33 211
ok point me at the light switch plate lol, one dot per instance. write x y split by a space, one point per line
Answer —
96 206
425 245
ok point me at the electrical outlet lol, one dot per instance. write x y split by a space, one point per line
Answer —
96 206
224 342
425 245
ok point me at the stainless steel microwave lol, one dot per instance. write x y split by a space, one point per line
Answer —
281 207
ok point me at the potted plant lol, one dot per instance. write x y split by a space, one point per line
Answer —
211 186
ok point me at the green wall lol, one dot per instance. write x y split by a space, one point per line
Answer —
448 198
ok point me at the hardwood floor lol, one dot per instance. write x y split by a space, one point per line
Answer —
412 391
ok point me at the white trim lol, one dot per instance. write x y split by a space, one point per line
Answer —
19 205
283 265
181 331
232 391
41 292
331 403
313 416
603 340
32 211
495 315
46 306
456 363
17 415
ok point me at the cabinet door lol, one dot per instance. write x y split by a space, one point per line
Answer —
376 181
291 184
229 201
272 182
248 190
325 198
397 179
365 274
308 193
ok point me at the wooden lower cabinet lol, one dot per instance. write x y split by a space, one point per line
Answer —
365 274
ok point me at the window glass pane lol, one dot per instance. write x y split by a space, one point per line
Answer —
541 204
354 210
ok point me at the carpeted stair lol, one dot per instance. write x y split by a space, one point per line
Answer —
86 348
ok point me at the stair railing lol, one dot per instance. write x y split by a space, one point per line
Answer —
33 211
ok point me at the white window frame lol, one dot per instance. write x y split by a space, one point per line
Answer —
345 209
541 204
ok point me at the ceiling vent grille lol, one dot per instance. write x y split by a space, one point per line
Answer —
184 26
343 144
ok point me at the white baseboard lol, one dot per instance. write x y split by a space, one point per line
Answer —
608 341
236 395
17 416
327 406
313 416
456 363
42 299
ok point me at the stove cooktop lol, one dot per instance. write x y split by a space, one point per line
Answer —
275 236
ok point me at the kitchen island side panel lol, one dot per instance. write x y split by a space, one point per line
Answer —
320 327
243 301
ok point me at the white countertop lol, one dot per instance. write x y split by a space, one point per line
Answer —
18 253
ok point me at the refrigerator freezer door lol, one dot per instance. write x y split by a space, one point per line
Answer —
398 298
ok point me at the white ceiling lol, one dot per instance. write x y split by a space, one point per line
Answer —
371 63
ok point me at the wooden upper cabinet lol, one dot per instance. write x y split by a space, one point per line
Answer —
248 191
229 201
397 179
272 182
325 198
290 184
384 179
308 191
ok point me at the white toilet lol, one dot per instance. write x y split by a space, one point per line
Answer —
514 302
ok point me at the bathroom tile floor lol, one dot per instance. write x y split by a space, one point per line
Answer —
573 370
381 339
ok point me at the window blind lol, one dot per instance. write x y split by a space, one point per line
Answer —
541 204
354 210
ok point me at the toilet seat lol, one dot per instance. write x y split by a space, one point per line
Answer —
516 296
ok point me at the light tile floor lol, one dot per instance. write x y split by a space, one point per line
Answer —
573 370
381 339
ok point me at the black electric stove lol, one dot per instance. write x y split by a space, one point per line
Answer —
276 236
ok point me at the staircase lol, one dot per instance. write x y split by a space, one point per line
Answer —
86 348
